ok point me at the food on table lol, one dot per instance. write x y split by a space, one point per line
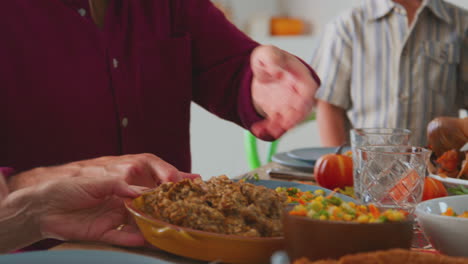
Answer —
451 212
296 195
334 170
335 209
218 205
451 163
446 135
393 256
433 189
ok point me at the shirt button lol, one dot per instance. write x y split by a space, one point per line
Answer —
115 62
124 122
82 11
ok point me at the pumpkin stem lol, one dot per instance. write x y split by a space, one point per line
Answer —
340 148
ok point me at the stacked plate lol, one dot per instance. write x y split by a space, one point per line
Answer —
304 158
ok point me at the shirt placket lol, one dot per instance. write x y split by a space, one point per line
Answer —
124 94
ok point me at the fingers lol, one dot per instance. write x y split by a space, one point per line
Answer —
3 187
184 175
276 125
267 130
100 188
128 236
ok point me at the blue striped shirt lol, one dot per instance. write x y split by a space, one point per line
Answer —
385 73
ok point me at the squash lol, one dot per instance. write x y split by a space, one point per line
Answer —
334 170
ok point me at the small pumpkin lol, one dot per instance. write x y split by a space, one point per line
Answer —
334 170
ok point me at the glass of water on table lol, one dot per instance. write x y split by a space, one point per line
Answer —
375 136
391 177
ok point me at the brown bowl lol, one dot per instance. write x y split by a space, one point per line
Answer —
202 245
320 239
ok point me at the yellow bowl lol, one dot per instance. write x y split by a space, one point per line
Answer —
202 245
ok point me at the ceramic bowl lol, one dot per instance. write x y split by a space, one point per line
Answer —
447 234
202 245
320 239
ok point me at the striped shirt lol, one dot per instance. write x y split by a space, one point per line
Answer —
384 73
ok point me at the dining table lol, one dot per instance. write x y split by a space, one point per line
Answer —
419 243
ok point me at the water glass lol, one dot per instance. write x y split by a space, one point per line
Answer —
375 136
391 176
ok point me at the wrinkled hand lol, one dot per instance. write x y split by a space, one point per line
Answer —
89 209
283 91
140 169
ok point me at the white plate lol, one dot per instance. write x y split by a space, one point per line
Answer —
450 182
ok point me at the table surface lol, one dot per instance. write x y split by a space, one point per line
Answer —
160 254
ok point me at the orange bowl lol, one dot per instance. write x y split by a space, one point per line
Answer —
203 245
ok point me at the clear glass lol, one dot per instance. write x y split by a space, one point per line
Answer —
375 136
391 176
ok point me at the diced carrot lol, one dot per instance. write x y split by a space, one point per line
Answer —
374 211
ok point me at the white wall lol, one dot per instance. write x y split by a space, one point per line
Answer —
217 145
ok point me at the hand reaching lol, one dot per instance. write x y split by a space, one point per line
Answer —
283 91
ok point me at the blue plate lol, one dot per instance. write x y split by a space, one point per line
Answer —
284 159
313 154
78 257
303 187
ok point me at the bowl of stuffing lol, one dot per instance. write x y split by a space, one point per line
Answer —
329 227
445 223
215 220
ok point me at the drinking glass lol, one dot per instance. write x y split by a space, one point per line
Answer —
391 176
375 136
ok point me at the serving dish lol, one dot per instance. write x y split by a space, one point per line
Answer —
450 182
210 246
323 239
447 234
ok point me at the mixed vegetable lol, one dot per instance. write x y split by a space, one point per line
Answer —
450 212
317 206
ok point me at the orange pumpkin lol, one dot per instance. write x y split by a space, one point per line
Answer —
334 171
433 189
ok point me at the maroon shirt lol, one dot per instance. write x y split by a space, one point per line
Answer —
71 91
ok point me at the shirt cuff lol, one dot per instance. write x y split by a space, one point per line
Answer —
6 171
247 113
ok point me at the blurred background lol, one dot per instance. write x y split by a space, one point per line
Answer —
292 25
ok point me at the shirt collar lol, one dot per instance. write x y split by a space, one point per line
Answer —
439 9
377 9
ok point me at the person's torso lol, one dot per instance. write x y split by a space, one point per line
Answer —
404 76
70 91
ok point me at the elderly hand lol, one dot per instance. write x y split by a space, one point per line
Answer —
139 169
283 91
80 201
89 209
